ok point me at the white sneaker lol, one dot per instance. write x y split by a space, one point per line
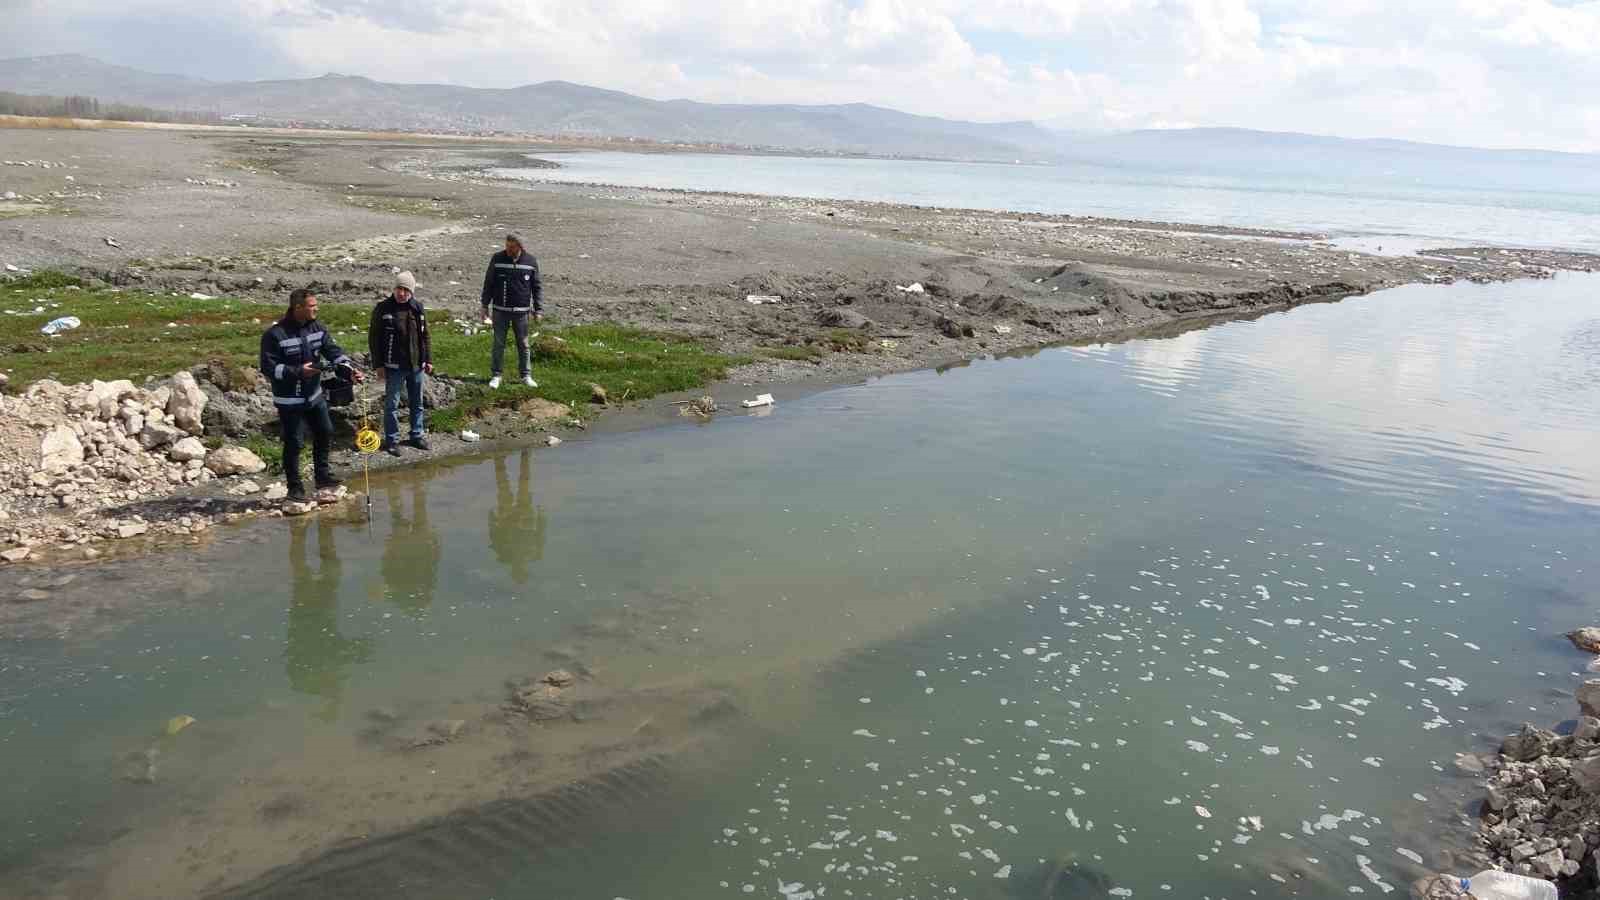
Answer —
528 380
494 383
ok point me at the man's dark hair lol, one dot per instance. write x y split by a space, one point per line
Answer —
297 299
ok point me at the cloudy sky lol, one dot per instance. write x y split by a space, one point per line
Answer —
1497 73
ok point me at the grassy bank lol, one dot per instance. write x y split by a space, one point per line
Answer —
134 335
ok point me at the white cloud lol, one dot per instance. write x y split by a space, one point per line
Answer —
1489 72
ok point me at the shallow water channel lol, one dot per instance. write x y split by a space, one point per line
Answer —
1206 616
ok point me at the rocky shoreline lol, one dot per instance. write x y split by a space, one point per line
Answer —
1539 816
80 462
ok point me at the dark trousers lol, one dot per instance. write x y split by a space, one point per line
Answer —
295 419
410 381
517 322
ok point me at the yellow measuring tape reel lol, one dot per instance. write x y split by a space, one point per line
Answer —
368 440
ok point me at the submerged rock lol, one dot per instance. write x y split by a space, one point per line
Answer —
1589 698
1059 880
1528 744
1438 887
559 678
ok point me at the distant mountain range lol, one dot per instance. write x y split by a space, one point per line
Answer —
555 108
559 108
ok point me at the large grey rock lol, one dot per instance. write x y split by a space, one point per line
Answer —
104 396
1548 864
1589 697
1528 744
234 461
951 328
1585 639
1588 729
158 434
844 318
60 450
187 449
187 405
1586 774
1496 798
237 414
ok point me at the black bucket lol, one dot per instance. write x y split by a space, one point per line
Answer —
340 391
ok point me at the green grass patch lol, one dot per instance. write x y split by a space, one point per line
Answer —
804 353
846 340
134 335
270 449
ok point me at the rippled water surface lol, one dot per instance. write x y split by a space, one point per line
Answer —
1207 616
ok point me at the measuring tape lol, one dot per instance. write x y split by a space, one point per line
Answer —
367 442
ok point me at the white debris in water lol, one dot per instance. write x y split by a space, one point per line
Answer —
862 732
1202 812
1410 854
1450 683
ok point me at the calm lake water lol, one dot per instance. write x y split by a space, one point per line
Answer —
1207 616
1435 213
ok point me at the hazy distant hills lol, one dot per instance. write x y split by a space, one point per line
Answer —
562 108
549 108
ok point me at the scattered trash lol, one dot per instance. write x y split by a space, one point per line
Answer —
179 723
348 260
913 288
56 326
199 296
1002 329
888 344
760 400
112 243
1492 884
583 256
11 268
758 299
552 441
705 406
471 437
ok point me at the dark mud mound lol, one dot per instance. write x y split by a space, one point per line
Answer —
471 852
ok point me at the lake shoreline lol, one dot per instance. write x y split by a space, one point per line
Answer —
816 292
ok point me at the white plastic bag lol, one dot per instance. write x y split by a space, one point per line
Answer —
1493 884
56 326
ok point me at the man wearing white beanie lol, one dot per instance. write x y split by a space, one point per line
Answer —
402 353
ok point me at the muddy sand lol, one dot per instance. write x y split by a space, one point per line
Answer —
256 216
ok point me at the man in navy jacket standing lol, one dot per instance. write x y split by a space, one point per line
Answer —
293 352
511 290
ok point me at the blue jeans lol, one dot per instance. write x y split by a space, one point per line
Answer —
411 380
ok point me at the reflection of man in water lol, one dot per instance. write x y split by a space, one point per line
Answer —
516 527
411 554
315 656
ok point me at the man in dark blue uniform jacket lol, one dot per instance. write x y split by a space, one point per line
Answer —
290 351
